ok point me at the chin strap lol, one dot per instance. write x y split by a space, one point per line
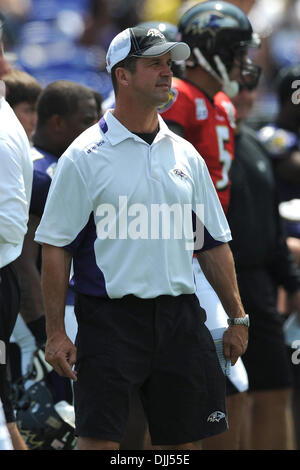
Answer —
230 87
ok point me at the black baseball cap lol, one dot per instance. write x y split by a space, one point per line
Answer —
143 42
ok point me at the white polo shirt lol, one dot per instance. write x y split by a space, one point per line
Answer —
16 173
139 198
5 440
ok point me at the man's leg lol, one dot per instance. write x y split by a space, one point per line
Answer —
230 439
296 414
272 421
267 363
184 397
247 425
9 307
16 438
87 443
114 355
136 426
189 446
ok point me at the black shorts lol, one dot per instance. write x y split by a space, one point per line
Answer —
266 360
230 388
9 309
160 346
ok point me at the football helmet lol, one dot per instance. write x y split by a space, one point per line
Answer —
43 423
219 35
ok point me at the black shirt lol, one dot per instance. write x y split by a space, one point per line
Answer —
258 238
148 137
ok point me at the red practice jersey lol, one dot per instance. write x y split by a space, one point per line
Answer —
208 127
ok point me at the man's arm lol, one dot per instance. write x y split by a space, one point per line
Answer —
60 351
218 267
32 306
13 198
283 267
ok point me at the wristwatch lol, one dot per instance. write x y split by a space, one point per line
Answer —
239 321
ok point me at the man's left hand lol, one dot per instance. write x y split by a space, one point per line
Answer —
235 341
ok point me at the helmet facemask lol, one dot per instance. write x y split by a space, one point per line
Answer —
249 74
219 35
220 67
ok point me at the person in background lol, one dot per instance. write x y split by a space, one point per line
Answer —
65 109
282 141
5 440
219 35
22 92
263 261
15 190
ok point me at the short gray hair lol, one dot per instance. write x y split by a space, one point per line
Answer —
128 63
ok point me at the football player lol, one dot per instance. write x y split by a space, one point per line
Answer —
199 109
282 140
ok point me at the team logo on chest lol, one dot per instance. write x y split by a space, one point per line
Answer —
180 173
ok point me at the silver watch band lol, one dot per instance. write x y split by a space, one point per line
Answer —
239 321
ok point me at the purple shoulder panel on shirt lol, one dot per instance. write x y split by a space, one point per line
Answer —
88 278
103 125
43 170
204 237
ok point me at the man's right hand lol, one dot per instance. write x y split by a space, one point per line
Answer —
61 354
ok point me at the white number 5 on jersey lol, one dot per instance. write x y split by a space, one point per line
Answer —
224 156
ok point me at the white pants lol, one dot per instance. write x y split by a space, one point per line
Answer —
23 337
26 342
217 318
5 441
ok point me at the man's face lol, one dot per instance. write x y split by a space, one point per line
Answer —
86 116
151 81
4 66
243 103
27 115
240 58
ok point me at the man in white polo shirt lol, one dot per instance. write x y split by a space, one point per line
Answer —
124 201
15 190
5 440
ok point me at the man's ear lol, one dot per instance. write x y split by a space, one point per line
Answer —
4 65
57 123
122 76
